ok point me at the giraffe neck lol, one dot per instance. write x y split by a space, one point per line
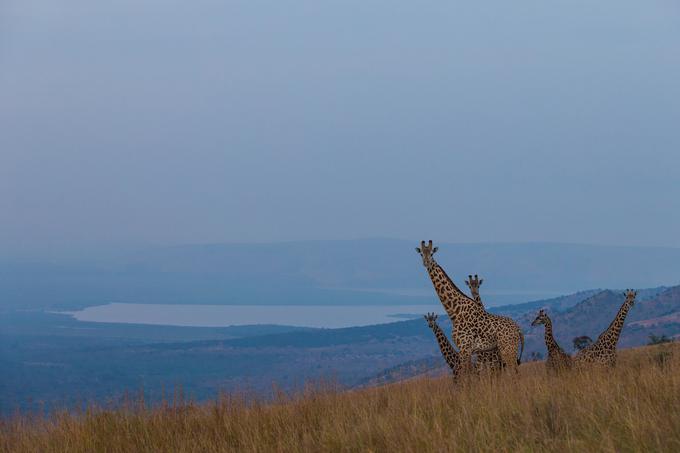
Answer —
452 298
441 337
550 342
475 295
611 335
450 354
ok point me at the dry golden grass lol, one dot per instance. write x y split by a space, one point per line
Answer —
634 407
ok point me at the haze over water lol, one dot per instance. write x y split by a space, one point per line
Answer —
324 316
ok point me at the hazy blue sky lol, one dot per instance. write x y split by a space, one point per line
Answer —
162 122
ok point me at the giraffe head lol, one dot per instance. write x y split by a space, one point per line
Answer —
541 318
474 282
630 296
426 251
431 319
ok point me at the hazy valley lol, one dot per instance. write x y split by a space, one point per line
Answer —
52 361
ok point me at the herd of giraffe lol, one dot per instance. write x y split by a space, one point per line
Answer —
497 341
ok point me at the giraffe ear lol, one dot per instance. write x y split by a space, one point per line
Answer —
418 250
434 250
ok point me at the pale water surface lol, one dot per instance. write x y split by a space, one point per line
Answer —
328 316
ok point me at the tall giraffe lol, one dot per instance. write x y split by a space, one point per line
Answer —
603 351
558 360
474 329
485 359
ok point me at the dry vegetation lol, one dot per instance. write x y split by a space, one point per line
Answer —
635 407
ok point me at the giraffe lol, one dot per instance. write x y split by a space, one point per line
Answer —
489 359
558 360
450 355
475 329
474 284
603 351
486 359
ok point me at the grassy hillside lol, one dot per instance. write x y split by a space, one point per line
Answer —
635 407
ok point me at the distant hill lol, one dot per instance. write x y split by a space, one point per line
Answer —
563 303
371 271
656 311
560 303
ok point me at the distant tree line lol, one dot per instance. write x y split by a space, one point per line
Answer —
659 339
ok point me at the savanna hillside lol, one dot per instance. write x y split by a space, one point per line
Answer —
635 407
52 361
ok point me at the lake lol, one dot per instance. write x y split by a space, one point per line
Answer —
324 316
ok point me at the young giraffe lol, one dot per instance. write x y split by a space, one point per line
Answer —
450 355
485 359
475 329
558 360
603 351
